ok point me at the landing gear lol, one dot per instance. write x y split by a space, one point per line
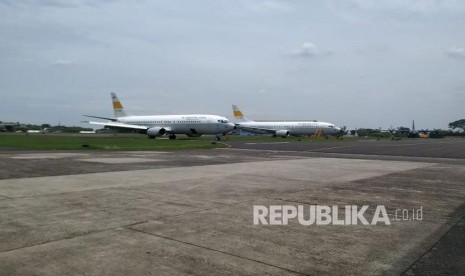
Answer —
151 137
172 137
218 138
326 137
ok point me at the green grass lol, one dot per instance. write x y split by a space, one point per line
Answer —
101 142
57 141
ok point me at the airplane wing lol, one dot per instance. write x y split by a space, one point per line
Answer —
256 129
97 117
126 126
118 125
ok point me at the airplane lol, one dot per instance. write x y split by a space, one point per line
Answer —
410 133
192 125
11 126
286 128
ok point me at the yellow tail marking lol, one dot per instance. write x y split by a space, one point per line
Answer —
117 105
237 113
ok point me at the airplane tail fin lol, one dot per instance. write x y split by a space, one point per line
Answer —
238 114
117 106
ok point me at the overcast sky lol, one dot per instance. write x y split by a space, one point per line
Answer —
357 63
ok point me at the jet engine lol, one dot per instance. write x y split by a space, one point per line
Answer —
282 133
156 131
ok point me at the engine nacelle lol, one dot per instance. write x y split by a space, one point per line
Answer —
156 131
282 133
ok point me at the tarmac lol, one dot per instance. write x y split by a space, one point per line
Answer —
191 212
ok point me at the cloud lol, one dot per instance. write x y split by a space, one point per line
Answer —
271 7
54 3
415 6
44 3
456 52
308 49
63 63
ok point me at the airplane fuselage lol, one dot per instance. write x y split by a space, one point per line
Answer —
294 128
191 124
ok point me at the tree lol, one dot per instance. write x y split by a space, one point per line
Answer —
460 124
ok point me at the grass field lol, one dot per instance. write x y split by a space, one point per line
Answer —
57 141
100 142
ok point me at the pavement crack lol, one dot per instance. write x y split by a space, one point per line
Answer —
224 205
70 236
405 272
218 251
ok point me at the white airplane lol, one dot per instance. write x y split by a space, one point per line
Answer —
285 128
194 125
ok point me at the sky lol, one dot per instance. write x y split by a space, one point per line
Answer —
354 63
